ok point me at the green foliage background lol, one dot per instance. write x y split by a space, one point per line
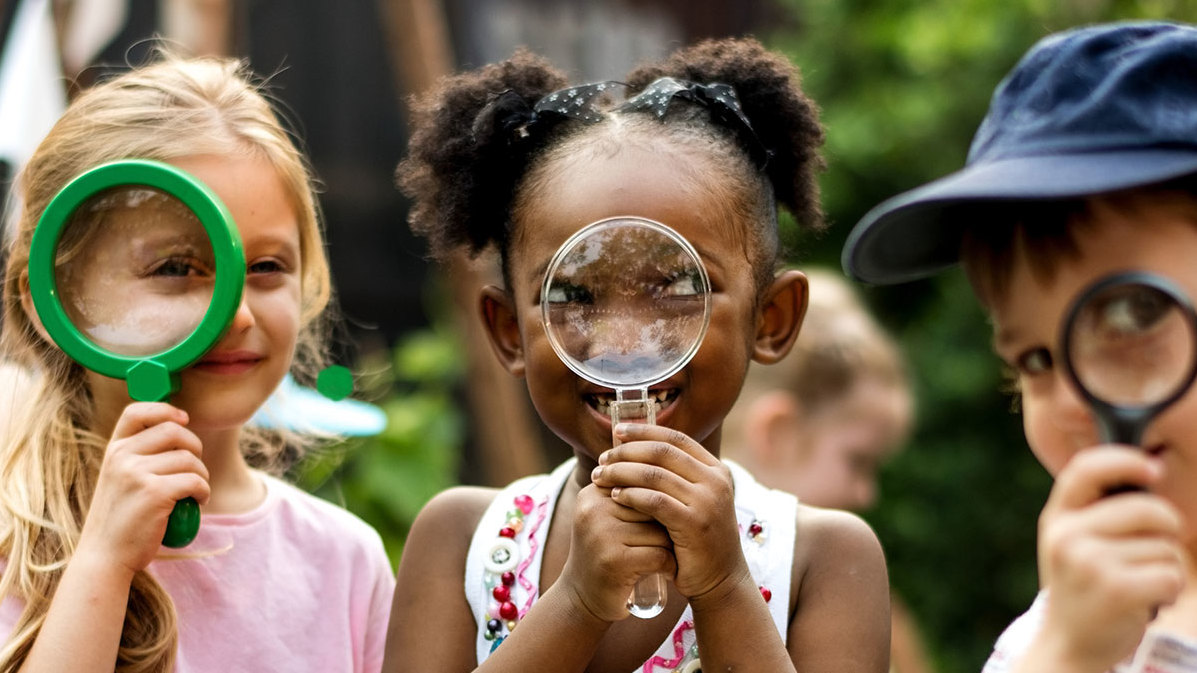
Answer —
902 85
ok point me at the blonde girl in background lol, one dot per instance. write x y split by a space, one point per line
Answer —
277 579
821 422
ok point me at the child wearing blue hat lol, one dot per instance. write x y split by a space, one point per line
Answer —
1086 165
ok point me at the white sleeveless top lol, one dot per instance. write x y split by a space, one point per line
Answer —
503 566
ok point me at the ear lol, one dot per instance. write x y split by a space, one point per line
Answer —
764 422
502 328
780 317
30 311
773 421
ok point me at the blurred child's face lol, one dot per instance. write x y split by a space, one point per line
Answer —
662 187
1150 233
232 380
841 445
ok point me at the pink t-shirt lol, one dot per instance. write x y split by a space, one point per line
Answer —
297 584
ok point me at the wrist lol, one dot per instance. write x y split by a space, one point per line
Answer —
1052 652
734 591
99 568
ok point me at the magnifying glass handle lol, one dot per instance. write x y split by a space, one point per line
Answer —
1120 428
183 524
647 599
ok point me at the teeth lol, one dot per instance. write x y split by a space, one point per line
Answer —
603 401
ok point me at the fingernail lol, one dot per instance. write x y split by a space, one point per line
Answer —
615 492
596 473
621 429
604 458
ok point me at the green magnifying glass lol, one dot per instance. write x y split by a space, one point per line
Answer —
136 270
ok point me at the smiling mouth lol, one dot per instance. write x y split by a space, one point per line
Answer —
602 402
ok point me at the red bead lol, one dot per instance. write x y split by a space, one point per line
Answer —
508 610
508 578
501 594
755 529
766 594
524 503
507 531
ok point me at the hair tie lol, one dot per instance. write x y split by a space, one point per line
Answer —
510 115
717 97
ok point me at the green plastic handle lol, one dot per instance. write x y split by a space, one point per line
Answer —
151 378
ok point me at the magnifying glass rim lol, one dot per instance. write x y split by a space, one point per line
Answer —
1154 281
212 214
607 223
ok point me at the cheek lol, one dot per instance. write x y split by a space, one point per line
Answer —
1045 439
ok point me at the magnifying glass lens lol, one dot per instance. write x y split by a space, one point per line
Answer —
135 270
1132 345
626 304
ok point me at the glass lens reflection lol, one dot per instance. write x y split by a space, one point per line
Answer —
135 270
626 304
1132 345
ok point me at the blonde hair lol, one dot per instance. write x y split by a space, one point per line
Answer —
839 345
49 464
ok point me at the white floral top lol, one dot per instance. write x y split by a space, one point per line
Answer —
503 566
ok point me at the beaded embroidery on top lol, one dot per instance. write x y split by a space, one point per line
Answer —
505 568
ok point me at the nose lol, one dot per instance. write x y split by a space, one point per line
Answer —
243 319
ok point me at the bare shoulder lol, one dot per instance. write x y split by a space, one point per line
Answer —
453 514
834 541
839 610
431 625
828 534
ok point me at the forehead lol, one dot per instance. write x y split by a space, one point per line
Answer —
1156 234
675 188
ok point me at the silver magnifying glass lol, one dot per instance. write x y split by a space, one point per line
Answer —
625 303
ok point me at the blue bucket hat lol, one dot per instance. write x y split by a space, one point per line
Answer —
1087 111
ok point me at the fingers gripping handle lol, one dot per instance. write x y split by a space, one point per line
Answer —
647 599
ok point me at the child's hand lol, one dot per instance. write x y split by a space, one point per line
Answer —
667 475
1109 562
612 546
151 462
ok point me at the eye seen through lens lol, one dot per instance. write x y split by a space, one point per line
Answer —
135 270
1132 345
625 302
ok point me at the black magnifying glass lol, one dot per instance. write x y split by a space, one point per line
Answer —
626 302
136 270
1129 344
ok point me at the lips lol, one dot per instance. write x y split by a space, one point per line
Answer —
228 362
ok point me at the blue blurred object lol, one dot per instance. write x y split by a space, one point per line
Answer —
299 409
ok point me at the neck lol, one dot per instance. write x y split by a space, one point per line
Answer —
234 488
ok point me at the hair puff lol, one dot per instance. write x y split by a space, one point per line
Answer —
784 118
460 171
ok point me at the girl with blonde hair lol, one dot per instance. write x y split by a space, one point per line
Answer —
276 579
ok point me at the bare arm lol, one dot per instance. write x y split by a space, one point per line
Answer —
842 619
151 462
90 620
432 628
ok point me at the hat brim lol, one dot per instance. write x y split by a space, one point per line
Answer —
917 233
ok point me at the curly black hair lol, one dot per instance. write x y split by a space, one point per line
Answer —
464 172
